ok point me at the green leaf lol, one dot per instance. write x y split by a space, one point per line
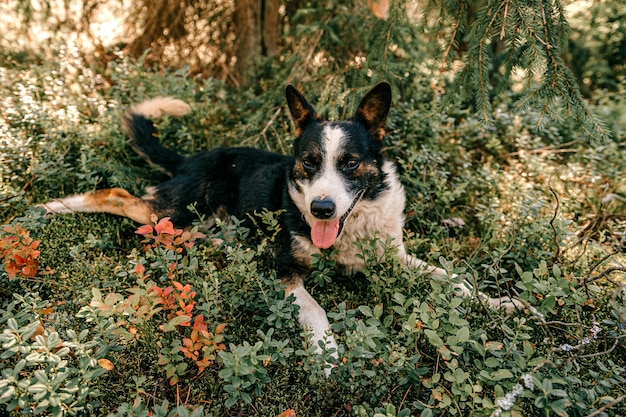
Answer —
463 334
501 374
493 362
378 311
366 311
433 338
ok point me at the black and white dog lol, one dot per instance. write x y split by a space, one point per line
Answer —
336 189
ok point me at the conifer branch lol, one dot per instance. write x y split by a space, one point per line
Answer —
455 33
534 35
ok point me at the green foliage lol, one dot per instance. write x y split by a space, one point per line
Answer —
505 39
45 372
110 319
596 46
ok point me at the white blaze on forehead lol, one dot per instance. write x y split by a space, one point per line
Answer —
333 138
329 182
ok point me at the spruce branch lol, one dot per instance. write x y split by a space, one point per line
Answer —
531 36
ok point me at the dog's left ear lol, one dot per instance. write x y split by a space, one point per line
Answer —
373 110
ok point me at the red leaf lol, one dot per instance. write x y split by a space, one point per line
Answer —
220 328
165 226
11 269
140 270
30 270
144 230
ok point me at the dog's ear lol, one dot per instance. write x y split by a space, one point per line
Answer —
373 110
302 113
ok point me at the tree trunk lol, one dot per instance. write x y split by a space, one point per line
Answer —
258 33
271 27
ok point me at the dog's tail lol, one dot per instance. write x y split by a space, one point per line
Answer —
142 133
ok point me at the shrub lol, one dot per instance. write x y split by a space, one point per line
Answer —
97 319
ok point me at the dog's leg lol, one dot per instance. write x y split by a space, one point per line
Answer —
311 317
113 200
464 288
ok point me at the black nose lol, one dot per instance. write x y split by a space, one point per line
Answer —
323 209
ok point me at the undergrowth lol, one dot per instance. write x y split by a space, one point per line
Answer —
101 316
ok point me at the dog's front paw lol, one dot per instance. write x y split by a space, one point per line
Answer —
508 304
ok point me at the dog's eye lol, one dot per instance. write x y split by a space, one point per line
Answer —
307 164
352 163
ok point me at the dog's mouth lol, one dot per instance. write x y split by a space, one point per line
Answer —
324 233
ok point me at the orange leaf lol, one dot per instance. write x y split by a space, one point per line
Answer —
437 394
165 226
288 413
49 271
199 323
106 364
11 269
30 270
46 311
144 230
140 270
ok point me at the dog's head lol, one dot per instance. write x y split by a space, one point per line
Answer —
337 164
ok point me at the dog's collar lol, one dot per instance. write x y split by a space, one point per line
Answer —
345 216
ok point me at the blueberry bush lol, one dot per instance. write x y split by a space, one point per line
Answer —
100 316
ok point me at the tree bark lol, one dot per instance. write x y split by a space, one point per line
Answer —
271 27
258 32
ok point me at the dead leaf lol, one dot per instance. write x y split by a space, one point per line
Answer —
106 364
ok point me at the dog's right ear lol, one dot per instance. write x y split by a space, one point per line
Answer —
302 113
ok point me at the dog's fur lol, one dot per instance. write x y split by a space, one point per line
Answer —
338 188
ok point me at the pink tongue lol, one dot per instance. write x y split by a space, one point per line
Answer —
324 233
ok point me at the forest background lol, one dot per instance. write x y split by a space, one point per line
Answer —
508 127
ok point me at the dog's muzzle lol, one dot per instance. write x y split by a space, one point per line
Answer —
325 232
322 208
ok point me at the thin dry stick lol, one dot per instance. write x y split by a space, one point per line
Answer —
268 125
557 205
606 352
605 273
606 407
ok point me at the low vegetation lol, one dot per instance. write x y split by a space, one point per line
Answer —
105 317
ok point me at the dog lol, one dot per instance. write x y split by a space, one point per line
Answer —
336 189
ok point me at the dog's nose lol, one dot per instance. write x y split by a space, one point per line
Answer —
323 208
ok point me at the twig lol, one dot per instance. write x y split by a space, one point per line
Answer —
606 352
560 323
404 397
504 17
605 273
606 407
455 31
588 277
557 205
269 124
